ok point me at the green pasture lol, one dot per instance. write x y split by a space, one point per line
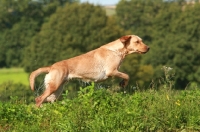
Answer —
16 75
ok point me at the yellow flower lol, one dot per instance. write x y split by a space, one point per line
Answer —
167 97
178 102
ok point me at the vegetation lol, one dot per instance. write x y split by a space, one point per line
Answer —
9 89
75 41
103 110
15 75
19 22
172 31
30 30
73 30
38 33
66 39
98 109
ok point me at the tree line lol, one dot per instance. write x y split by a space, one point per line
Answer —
38 33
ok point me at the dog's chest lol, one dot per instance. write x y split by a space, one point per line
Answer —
100 76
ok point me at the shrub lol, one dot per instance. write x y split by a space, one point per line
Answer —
10 89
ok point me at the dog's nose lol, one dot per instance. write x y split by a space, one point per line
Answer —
148 48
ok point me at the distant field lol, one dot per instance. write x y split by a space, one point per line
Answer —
16 75
110 10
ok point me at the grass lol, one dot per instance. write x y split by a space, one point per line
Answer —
16 75
93 109
104 110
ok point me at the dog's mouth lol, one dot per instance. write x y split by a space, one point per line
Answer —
143 52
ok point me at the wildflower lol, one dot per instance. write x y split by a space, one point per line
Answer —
167 97
177 103
167 69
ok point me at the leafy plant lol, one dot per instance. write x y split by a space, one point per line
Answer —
103 110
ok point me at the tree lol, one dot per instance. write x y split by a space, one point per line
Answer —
140 74
177 43
15 40
19 22
138 16
172 31
72 30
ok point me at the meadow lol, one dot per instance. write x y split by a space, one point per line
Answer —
99 109
110 10
104 110
16 75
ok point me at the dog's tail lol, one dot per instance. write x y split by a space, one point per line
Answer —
35 73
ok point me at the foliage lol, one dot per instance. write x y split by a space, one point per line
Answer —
19 22
10 89
31 30
102 110
172 31
15 40
140 75
71 30
77 31
138 16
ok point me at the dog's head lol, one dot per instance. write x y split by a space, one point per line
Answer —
134 44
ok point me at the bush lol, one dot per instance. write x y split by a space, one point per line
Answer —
10 89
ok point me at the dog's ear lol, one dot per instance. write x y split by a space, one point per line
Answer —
125 39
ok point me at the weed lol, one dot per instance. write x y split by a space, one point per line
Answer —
168 81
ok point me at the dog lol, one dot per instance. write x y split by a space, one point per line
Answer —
96 65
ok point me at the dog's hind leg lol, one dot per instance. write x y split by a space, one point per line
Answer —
53 81
54 96
39 100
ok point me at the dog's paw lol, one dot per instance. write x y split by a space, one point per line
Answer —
38 101
122 84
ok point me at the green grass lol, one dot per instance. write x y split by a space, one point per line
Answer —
16 75
98 109
107 111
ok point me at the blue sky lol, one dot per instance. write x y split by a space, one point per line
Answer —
101 2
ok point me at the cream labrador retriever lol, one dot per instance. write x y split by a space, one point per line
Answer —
96 65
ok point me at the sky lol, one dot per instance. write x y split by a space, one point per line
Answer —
101 2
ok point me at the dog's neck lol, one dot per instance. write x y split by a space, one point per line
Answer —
119 50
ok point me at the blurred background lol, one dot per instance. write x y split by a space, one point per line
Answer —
37 33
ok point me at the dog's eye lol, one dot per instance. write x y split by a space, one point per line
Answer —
137 42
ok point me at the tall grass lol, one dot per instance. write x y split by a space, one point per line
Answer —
156 109
103 110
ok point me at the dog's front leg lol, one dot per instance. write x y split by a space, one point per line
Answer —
122 75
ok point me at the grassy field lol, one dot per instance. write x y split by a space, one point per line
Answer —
16 75
110 10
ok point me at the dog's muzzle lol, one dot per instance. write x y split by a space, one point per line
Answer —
143 52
